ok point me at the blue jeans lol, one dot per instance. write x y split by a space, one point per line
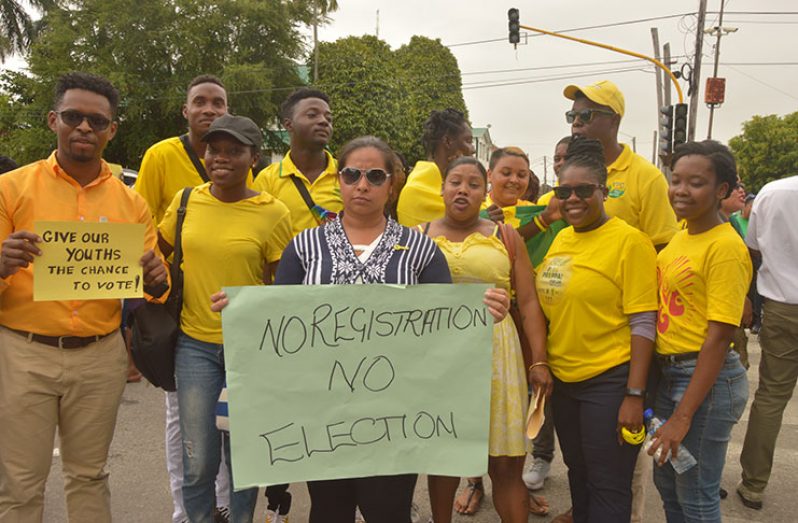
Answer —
199 371
694 496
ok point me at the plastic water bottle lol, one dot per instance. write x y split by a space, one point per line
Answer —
683 462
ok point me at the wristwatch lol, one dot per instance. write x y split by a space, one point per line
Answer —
637 393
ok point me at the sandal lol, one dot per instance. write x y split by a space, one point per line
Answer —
470 498
538 505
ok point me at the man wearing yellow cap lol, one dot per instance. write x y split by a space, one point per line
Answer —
638 191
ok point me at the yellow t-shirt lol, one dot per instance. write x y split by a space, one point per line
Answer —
588 285
702 278
509 211
546 198
276 180
165 170
224 244
420 201
638 194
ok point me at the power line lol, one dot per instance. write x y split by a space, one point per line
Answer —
552 79
754 78
561 66
584 28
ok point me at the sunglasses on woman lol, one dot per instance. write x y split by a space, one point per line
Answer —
375 177
74 118
585 115
583 191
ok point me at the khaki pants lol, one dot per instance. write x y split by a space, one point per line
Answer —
76 390
778 371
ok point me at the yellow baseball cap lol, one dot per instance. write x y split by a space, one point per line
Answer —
603 92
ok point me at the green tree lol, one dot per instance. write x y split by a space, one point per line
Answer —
390 94
150 50
367 96
17 28
432 81
767 149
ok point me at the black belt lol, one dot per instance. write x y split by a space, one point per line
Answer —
62 342
670 359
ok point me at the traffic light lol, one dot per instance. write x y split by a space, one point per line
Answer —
679 124
665 130
514 24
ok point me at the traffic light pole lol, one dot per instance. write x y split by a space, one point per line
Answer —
617 50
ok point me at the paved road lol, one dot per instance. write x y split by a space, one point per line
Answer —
141 492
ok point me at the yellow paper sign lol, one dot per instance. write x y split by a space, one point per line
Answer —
88 261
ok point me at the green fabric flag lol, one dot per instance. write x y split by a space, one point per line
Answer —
538 245
343 381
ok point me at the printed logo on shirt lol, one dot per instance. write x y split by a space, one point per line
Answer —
616 189
555 273
677 275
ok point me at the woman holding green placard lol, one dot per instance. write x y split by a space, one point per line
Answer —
479 250
363 245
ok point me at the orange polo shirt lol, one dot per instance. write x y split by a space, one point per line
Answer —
43 191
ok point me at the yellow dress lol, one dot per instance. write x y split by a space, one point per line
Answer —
482 259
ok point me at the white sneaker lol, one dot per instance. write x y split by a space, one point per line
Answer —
536 474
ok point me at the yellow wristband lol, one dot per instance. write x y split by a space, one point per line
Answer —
539 222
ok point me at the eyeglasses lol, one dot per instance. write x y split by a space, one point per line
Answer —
74 118
585 115
375 177
583 191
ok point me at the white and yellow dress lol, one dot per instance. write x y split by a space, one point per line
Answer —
484 259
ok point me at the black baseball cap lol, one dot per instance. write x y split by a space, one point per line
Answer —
239 127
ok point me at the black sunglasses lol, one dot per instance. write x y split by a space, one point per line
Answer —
585 115
375 177
74 118
583 191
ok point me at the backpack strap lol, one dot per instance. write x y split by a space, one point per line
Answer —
192 155
177 253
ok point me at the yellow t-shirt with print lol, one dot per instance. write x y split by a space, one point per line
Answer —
638 194
702 278
325 191
224 244
165 170
420 200
509 211
588 285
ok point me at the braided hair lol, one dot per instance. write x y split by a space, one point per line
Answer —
587 153
440 124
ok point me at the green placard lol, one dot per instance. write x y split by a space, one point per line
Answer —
341 381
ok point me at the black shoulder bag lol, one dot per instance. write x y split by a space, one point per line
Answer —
155 326
192 155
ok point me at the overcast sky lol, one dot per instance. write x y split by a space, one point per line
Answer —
529 113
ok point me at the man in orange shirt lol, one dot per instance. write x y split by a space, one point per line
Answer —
63 363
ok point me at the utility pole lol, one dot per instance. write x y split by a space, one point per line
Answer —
719 30
666 56
545 172
378 23
658 77
695 75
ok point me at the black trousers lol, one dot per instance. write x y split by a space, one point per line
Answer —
382 499
599 469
